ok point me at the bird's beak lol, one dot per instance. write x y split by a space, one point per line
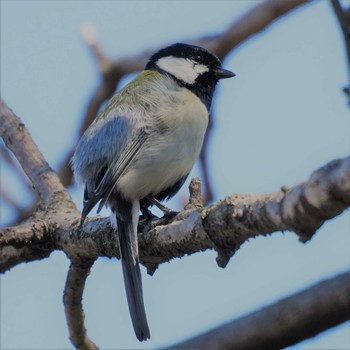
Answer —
223 73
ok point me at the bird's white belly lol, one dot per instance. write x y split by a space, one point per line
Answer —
167 158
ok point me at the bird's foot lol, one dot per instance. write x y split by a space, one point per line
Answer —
146 219
168 213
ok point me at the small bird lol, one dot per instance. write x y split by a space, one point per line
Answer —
140 149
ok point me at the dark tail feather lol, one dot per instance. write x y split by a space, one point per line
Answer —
132 278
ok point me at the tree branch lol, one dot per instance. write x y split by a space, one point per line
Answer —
19 141
11 255
287 322
72 299
5 154
225 225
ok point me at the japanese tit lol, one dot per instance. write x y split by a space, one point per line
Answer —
142 146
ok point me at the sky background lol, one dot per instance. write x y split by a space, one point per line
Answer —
283 116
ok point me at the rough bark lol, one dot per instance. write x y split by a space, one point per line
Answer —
224 226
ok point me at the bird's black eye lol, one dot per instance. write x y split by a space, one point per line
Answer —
198 58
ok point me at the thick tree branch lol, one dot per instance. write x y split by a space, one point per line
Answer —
287 322
11 255
225 226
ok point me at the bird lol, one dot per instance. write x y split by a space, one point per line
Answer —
141 147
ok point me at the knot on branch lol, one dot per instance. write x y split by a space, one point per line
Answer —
195 200
225 216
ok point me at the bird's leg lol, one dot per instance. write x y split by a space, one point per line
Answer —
146 219
168 213
147 215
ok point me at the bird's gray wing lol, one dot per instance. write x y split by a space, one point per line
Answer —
118 167
116 163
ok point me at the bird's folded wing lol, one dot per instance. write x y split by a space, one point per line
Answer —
110 174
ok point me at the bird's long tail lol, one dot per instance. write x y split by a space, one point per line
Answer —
127 231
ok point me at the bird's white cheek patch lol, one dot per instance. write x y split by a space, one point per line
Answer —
182 68
200 68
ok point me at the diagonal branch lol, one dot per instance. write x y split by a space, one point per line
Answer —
19 141
285 323
5 154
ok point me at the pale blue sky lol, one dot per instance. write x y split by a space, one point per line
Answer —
282 117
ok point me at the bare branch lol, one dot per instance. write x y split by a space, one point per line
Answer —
11 255
19 141
33 230
225 225
20 212
287 322
254 21
5 154
72 299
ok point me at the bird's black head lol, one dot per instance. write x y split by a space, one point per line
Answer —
192 66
